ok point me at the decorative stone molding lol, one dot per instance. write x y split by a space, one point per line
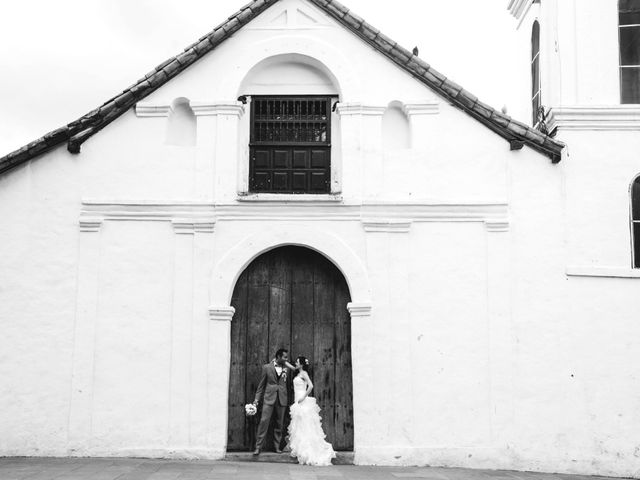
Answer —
422 108
90 224
615 117
495 225
221 314
433 211
186 217
387 226
603 272
380 216
185 226
288 211
371 212
146 209
149 109
203 108
204 226
359 310
286 198
199 108
344 109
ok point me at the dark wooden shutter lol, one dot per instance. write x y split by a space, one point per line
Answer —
290 145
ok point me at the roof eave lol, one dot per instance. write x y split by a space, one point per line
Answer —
80 130
499 123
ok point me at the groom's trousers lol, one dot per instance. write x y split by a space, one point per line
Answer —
265 420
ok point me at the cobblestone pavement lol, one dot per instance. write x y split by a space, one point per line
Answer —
140 469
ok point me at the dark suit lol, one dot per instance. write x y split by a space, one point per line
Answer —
272 391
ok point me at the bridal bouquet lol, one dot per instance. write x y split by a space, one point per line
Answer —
250 409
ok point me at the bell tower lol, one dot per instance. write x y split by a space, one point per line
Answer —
578 78
582 55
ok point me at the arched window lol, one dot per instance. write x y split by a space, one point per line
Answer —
291 100
629 35
182 126
396 132
535 73
635 221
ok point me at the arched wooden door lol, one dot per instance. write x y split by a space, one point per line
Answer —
294 298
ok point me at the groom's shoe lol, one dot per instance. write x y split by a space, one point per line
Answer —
256 452
278 450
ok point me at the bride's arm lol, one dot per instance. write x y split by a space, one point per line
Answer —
309 386
289 366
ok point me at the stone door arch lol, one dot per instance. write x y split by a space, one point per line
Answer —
292 297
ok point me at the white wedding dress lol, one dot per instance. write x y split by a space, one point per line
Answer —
306 437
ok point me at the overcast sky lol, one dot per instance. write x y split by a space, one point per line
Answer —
61 58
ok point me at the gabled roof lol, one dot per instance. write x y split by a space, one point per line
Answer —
78 131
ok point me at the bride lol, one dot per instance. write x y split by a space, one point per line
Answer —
306 437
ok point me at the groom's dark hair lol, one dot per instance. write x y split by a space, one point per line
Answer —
281 352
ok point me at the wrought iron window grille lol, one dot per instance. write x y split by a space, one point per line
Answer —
290 144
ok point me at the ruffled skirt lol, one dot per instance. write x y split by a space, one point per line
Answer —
306 437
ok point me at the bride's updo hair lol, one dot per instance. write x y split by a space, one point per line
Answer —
304 362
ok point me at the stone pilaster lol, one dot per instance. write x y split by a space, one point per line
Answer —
388 261
181 333
221 119
501 341
84 336
219 339
361 127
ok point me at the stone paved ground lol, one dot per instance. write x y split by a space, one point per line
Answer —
141 469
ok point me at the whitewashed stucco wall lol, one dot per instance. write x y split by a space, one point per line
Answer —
580 322
38 267
466 328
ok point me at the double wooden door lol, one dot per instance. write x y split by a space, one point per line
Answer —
293 298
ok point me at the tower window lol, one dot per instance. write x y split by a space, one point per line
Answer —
536 91
290 145
629 35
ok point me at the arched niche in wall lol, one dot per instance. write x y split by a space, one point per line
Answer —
182 124
396 130
289 74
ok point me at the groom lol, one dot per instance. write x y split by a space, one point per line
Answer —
273 390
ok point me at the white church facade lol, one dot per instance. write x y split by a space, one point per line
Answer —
464 284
